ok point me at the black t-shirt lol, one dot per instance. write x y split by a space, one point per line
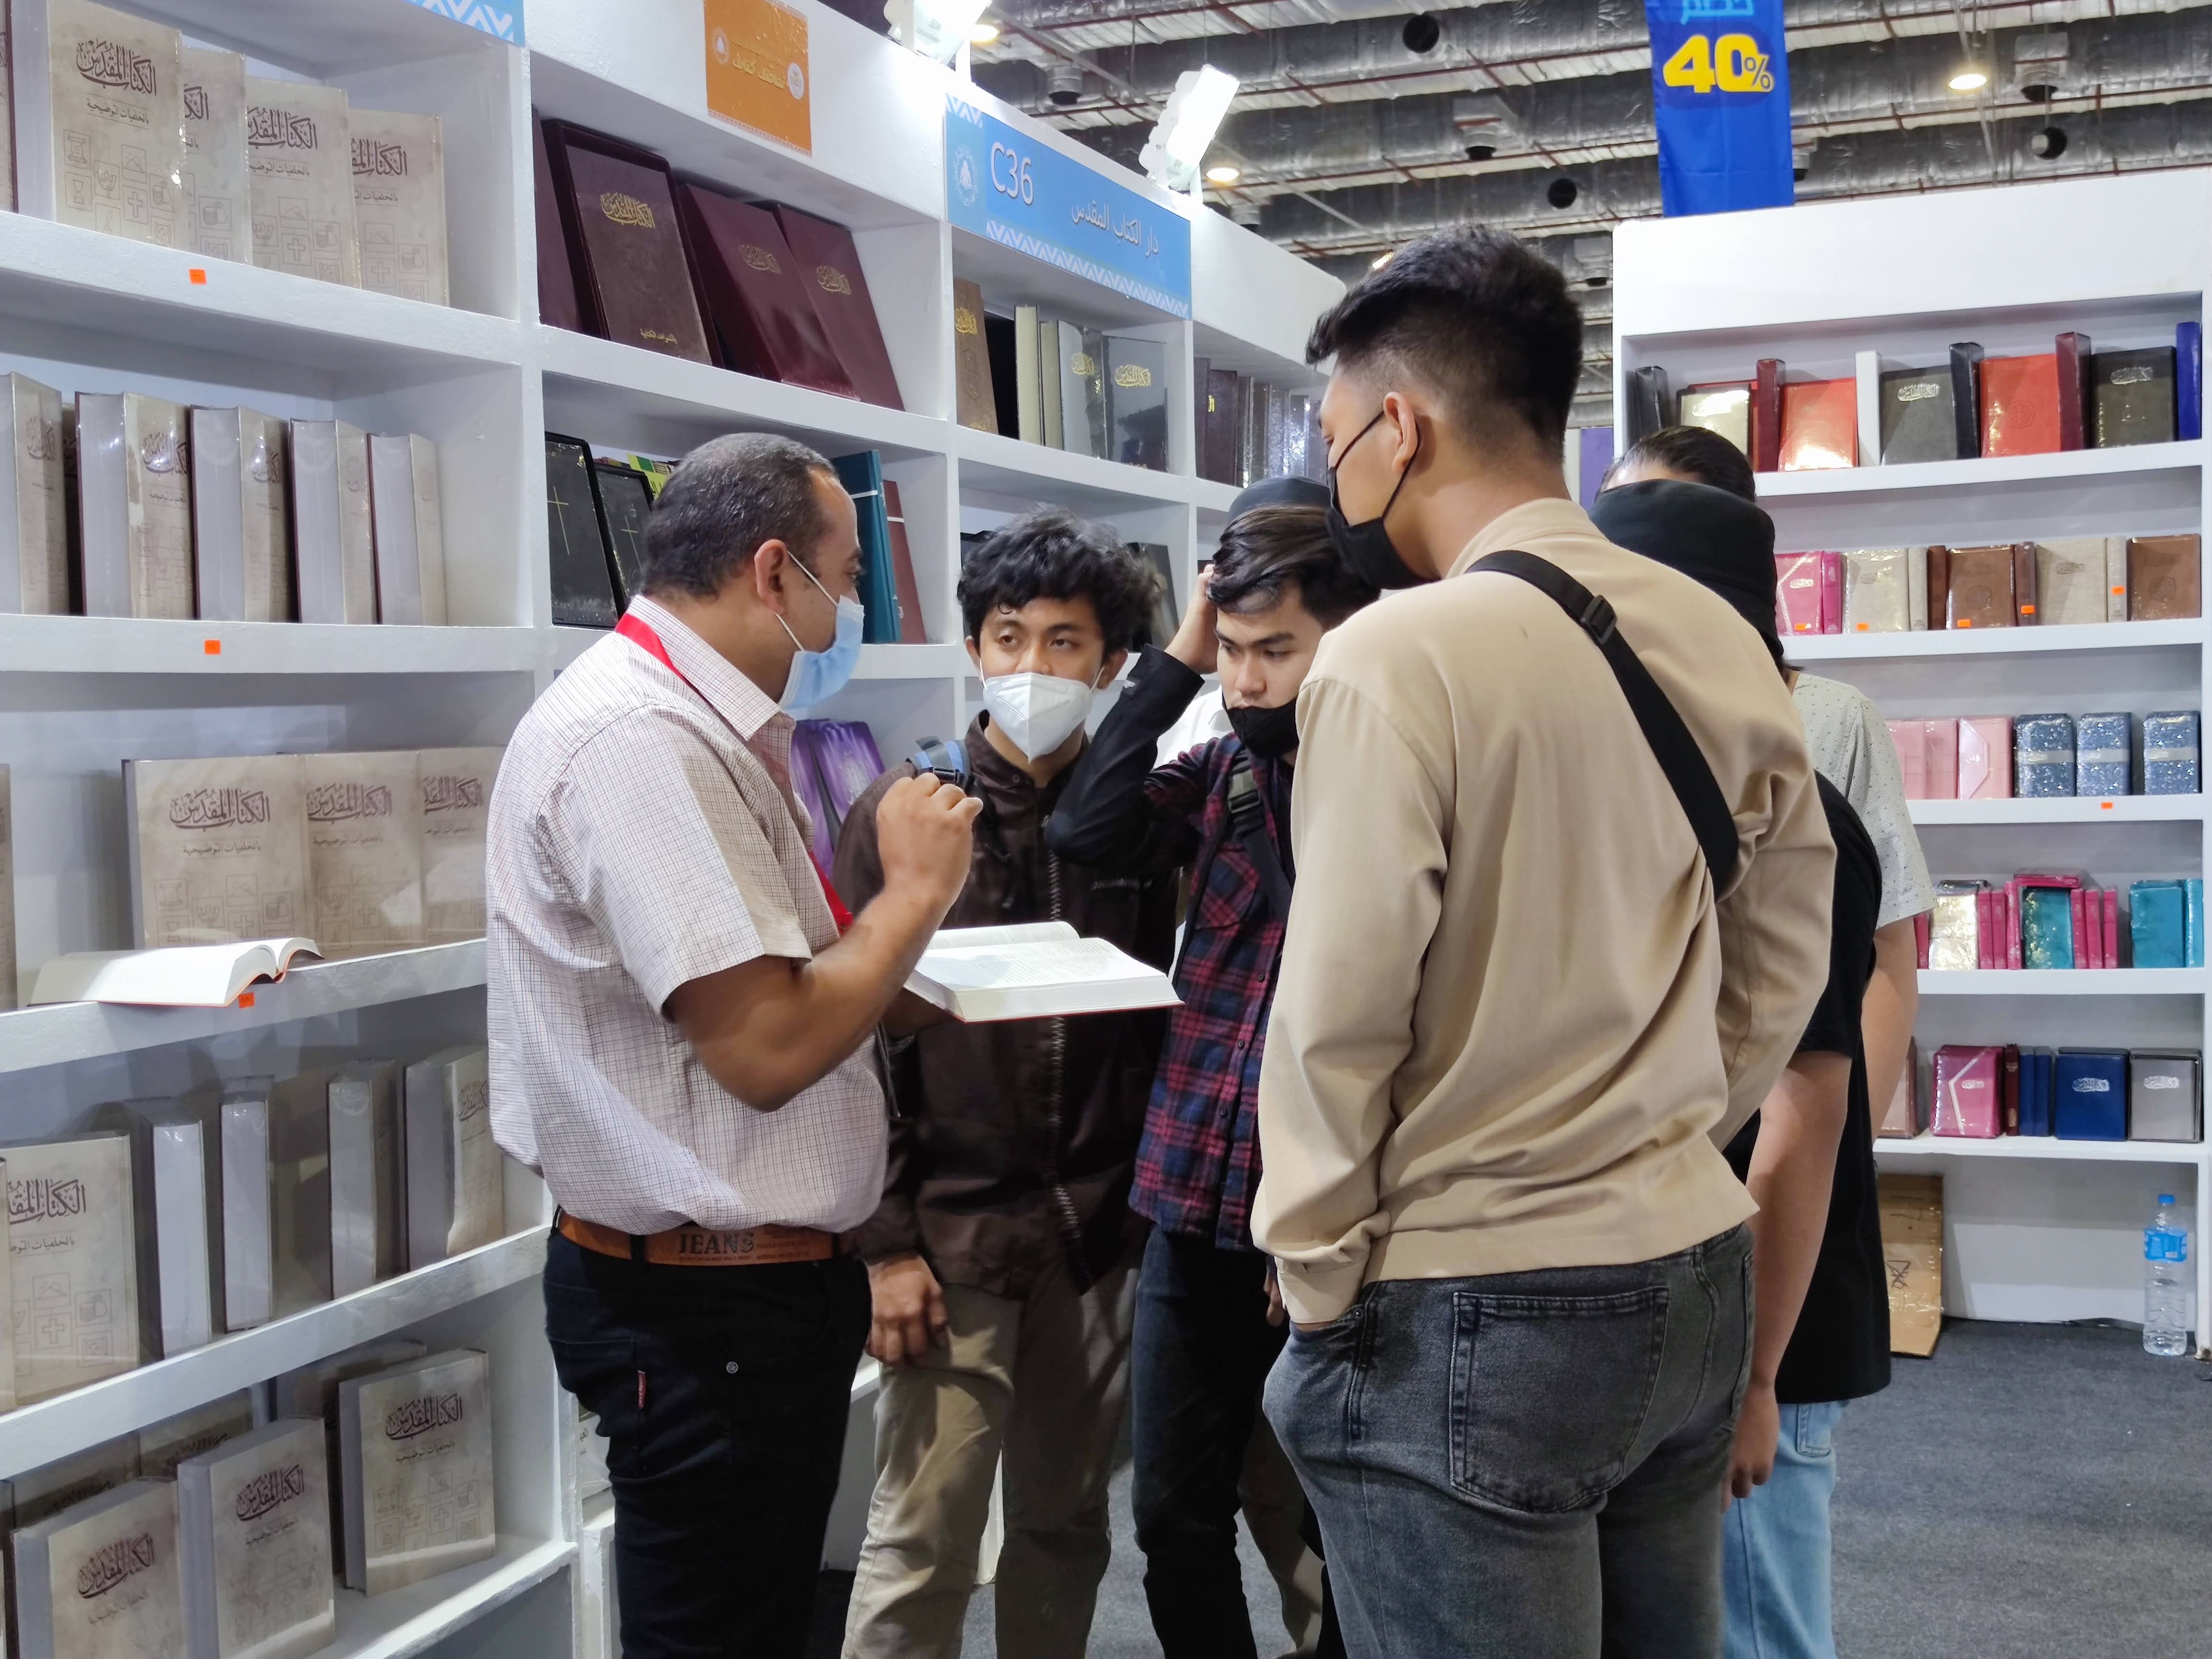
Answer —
1840 1349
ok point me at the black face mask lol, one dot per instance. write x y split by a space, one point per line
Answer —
1366 547
1269 733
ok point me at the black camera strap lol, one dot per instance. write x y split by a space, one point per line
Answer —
1677 753
1247 820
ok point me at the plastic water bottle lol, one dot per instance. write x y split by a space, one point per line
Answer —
2166 1297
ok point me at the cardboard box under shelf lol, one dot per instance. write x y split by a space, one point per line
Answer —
1913 1249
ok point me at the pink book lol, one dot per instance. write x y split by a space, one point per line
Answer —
1798 585
2083 954
1985 928
1942 759
2111 928
1985 758
1831 593
2008 947
1909 739
1921 932
1968 1103
2036 878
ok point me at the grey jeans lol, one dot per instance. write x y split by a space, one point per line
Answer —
1528 1466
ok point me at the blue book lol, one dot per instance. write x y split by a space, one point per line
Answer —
862 475
2043 755
2035 1072
2103 754
2170 752
2046 927
2158 924
2090 1095
2189 380
2192 922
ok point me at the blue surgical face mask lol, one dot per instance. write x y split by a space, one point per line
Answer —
818 676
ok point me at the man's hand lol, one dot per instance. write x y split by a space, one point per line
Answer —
923 832
906 1309
1751 1459
1276 1314
1194 645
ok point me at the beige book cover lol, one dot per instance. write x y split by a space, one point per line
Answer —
298 163
455 1196
218 201
34 502
456 801
416 1479
219 849
411 544
157 462
241 531
100 1581
335 539
399 202
10 986
114 130
2070 580
164 1444
254 1523
1877 590
365 851
72 1263
300 1192
312 1392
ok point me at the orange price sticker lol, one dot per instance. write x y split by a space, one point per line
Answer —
757 70
211 647
246 999
2103 806
197 275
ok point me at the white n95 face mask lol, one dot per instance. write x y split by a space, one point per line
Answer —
1037 712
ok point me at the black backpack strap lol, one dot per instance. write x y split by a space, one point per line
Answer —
1672 745
1247 820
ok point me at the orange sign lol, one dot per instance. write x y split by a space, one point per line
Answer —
756 69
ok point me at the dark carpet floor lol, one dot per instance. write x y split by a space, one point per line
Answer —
2032 1490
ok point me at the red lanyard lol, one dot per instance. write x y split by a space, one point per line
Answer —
639 632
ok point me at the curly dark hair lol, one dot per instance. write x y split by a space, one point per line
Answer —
1476 315
1271 551
1051 553
1701 456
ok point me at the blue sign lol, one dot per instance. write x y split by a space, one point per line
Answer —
1720 96
1003 184
502 19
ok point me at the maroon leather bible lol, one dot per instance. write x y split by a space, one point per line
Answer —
633 281
1767 416
2074 422
755 294
830 266
557 277
912 628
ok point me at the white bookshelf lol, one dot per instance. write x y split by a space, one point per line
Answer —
2035 1228
486 380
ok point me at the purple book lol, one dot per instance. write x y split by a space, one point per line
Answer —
831 762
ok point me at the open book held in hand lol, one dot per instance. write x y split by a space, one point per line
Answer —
171 976
1033 971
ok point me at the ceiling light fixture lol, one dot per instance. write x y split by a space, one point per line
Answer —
983 33
1178 144
1380 260
941 27
1969 79
1221 172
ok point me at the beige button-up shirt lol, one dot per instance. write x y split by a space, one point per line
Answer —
642 834
1513 1015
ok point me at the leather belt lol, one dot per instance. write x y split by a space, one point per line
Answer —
706 1247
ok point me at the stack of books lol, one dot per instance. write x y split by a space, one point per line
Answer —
629 252
2061 583
1998 757
1968 405
1060 384
1981 1092
1250 430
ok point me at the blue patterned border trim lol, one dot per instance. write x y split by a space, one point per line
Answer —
1022 242
502 22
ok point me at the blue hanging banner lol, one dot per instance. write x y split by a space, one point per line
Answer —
1720 97
1003 184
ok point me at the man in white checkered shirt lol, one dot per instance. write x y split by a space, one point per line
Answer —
682 1043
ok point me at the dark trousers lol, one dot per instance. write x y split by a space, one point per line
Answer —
723 1393
1200 1357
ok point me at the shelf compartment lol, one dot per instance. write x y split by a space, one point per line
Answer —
35 1435
994 465
1994 641
673 405
2116 809
1983 471
131 645
61 1032
417 1616
2043 1146
2065 982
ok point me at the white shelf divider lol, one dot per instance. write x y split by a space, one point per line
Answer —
128 644
1993 642
417 1616
1985 472
2048 1147
2065 982
2086 809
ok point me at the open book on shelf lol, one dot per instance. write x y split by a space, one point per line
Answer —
172 976
1033 971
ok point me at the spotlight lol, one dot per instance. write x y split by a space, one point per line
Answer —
1221 172
1480 152
2048 144
2038 93
941 27
1421 34
1562 192
1063 82
1379 261
1178 144
1969 79
983 33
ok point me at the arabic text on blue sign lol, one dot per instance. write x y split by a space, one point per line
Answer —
502 19
1720 95
1003 184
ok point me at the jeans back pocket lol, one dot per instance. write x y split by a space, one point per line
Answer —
1549 1393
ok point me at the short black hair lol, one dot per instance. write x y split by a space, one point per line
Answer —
1271 551
725 498
1700 455
1479 317
1051 553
